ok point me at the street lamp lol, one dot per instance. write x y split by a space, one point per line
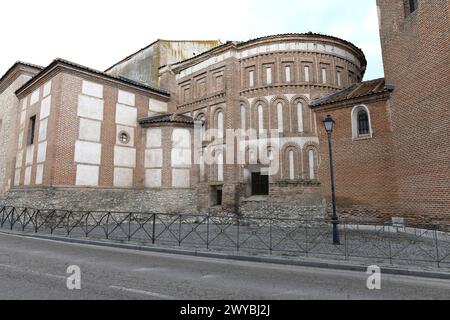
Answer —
329 126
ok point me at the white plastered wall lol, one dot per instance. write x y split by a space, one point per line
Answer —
181 158
88 147
125 151
153 158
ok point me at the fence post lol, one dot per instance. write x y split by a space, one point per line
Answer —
129 226
270 232
52 216
207 232
389 235
306 236
1 218
68 222
346 251
36 226
24 213
179 232
436 242
107 224
11 224
154 229
238 227
86 224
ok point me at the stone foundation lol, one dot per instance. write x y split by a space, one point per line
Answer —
254 207
297 192
86 199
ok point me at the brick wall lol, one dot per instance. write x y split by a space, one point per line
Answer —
365 178
416 59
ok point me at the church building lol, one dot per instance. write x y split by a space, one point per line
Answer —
236 127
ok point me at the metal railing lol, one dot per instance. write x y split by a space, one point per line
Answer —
427 245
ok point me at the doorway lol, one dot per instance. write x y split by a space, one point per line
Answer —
260 184
216 196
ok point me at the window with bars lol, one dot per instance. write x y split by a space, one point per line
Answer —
363 123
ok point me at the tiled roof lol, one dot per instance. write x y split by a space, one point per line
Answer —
238 44
8 77
307 34
168 117
358 90
23 64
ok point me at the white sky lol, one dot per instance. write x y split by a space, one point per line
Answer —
98 33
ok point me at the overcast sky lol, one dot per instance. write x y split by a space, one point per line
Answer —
98 33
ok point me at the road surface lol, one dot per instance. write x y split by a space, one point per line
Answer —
36 269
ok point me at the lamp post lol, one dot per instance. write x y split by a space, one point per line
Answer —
329 126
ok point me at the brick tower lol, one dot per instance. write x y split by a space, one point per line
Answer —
415 42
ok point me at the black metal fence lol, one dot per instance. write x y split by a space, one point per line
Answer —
427 245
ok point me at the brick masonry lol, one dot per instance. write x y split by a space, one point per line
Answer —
266 83
402 170
415 53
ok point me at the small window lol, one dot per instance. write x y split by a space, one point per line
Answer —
413 5
300 116
287 71
220 166
186 94
243 117
306 74
124 137
312 164
220 124
31 129
203 122
260 119
291 165
324 75
280 117
268 75
363 123
339 78
251 78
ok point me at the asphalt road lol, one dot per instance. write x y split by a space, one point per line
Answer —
36 269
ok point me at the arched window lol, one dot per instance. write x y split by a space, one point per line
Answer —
203 129
270 155
280 116
260 118
252 158
291 165
300 116
219 166
361 124
220 124
312 165
243 117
